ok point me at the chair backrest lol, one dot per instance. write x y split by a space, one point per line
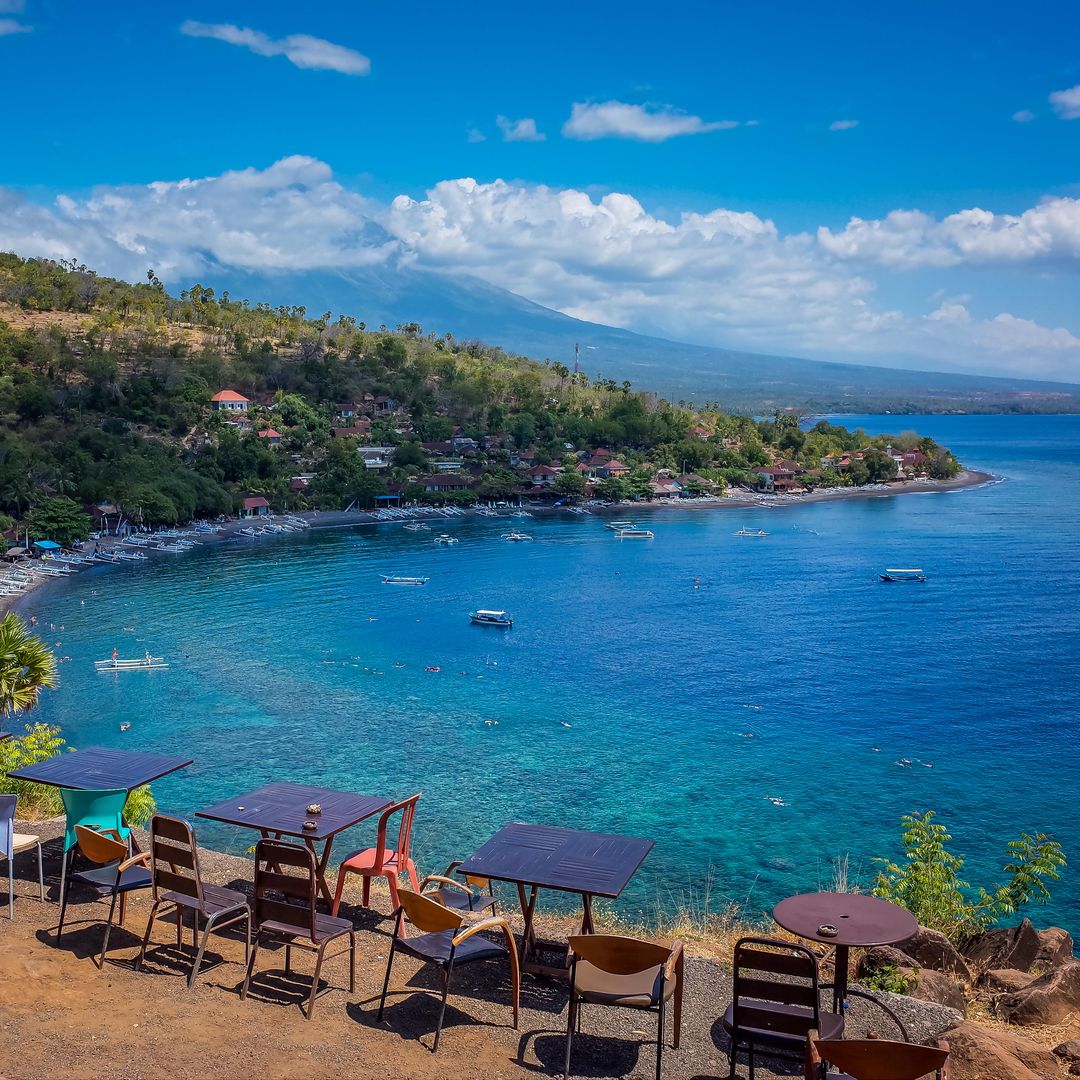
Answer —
7 823
100 809
881 1059
472 879
98 847
618 955
407 809
798 1010
427 915
174 858
286 886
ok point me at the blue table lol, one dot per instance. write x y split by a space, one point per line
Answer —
99 768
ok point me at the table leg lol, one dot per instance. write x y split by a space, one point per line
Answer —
528 909
323 862
840 978
586 914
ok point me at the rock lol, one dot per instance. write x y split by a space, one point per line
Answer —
1005 980
932 949
937 986
1047 1000
1008 947
979 1053
1074 1069
1055 947
880 957
1068 1051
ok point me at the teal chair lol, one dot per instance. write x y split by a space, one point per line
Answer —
99 810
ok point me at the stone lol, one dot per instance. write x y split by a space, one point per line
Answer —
1074 1069
1055 947
938 987
1068 1051
1005 980
880 957
1007 947
980 1053
1047 1000
932 949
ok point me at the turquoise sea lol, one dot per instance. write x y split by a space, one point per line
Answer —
699 674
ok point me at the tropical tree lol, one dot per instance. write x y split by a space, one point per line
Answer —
26 665
59 519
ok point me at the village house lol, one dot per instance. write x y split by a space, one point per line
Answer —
255 506
542 475
384 405
375 457
692 483
346 410
699 432
522 457
229 401
438 447
301 483
240 421
360 429
442 484
463 442
493 442
665 488
271 436
611 470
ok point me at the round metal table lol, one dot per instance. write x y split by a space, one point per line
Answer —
862 921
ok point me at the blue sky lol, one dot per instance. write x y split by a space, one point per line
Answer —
711 143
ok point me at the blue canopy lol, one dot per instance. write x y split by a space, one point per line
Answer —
46 545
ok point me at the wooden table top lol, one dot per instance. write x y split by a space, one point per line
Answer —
100 768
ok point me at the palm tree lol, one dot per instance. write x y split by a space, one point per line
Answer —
26 665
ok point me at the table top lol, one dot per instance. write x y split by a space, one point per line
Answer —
5 735
282 808
100 768
859 920
595 864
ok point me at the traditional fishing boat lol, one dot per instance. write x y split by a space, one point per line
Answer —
744 531
417 526
143 663
516 537
445 538
913 574
398 579
633 534
484 617
617 525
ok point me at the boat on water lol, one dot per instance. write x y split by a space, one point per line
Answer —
398 579
445 538
617 525
634 534
143 663
417 526
516 537
483 617
744 531
912 574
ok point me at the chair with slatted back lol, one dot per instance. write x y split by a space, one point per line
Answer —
466 893
874 1059
178 887
625 972
776 999
443 943
114 875
381 861
286 893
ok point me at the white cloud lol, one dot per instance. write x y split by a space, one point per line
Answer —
1024 116
12 7
519 130
843 125
645 123
13 26
1067 103
300 49
475 135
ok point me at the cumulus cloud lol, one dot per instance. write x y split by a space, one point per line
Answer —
843 125
1066 103
1024 116
645 123
475 135
300 49
13 26
519 130
726 276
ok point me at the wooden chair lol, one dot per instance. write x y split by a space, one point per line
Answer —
775 1010
381 861
443 943
286 894
12 844
178 885
113 875
627 973
874 1059
465 893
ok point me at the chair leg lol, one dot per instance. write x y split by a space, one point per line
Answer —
571 1010
250 968
367 889
732 1051
288 959
750 1055
392 885
386 981
108 929
412 876
339 890
65 888
146 936
352 962
315 981
442 1008
11 888
202 949
659 1038
64 871
40 875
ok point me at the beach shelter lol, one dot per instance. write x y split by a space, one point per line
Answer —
15 553
46 545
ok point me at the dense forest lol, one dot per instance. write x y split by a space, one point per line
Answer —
106 388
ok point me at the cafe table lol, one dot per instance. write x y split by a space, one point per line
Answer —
845 921
100 768
535 857
281 809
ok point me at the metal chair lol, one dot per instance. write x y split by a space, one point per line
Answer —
460 894
12 844
443 943
381 861
627 973
113 875
178 884
286 893
874 1059
776 1010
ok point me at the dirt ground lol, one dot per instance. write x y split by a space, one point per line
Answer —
60 1016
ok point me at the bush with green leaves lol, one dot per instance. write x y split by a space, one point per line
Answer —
929 885
890 980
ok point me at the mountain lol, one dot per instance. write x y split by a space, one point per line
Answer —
741 381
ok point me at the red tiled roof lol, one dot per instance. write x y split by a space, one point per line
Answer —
543 470
255 503
269 433
228 395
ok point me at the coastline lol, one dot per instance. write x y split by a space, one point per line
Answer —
340 519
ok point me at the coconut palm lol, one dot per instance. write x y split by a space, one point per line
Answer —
26 665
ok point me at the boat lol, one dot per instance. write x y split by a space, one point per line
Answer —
445 538
398 579
417 526
617 525
744 531
516 537
144 663
914 574
633 534
483 617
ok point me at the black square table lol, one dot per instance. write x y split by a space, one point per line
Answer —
280 809
97 768
568 860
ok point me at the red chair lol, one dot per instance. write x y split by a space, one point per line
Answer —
381 861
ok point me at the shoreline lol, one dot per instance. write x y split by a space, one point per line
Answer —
341 519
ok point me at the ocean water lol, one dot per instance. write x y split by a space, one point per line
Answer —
699 673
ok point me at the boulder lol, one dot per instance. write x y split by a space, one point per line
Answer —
880 957
1007 947
1005 980
1074 1069
1055 947
932 949
937 986
1047 1000
1068 1051
979 1053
